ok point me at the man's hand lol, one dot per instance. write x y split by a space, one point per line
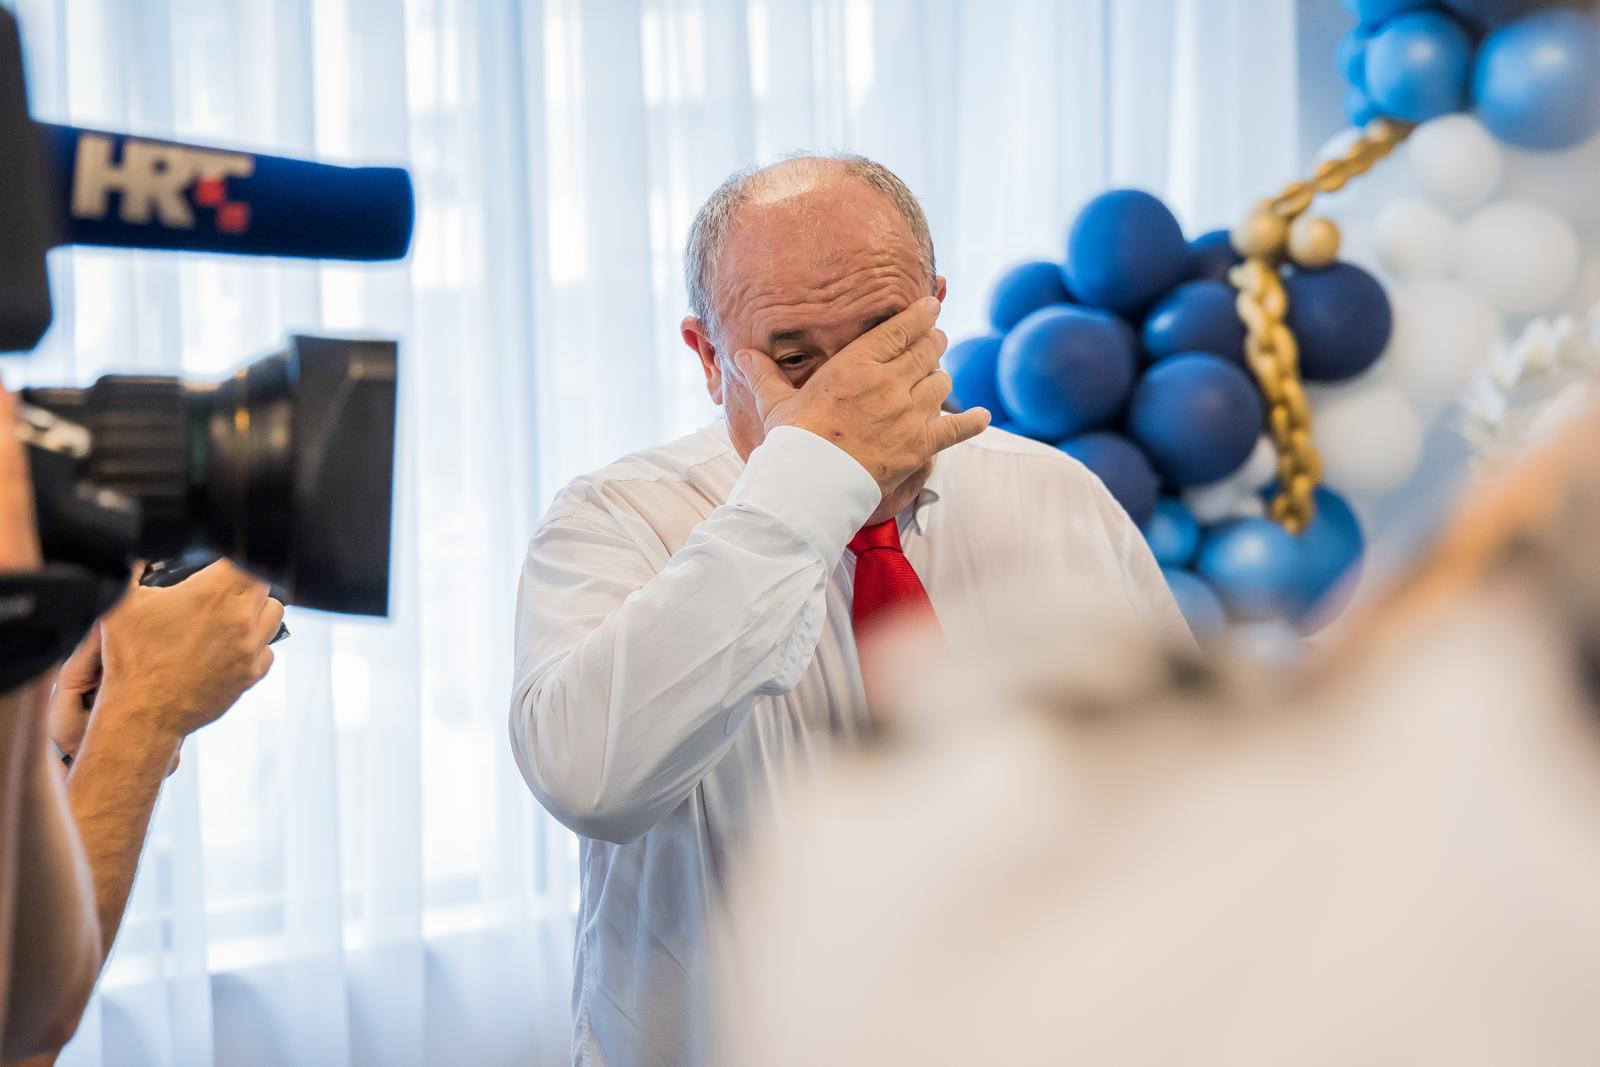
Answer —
179 657
878 399
19 540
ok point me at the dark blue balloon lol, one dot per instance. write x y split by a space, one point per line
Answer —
1121 466
972 365
1351 57
1358 107
1172 532
1419 65
1196 317
1254 565
1065 370
1370 12
1124 251
1024 289
1330 557
1214 256
1197 416
1493 12
1537 82
1341 318
1202 608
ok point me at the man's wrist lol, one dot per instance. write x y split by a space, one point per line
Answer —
134 724
811 485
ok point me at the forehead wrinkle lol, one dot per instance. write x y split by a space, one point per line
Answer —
802 305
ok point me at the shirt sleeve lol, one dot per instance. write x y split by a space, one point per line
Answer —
631 681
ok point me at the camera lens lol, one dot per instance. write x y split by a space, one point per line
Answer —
286 467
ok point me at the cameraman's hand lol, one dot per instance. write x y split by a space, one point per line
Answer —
878 398
73 699
179 657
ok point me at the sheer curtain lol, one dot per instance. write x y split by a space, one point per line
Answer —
347 868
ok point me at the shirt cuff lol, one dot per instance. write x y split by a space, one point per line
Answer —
812 486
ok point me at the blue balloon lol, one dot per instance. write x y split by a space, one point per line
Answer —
1201 607
1197 416
1254 565
1493 12
1537 82
1196 317
1065 370
1371 12
972 366
1125 249
1341 318
1214 256
1358 107
1351 57
1121 466
1418 66
1330 553
1172 532
1024 289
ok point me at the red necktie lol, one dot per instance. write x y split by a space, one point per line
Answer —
886 584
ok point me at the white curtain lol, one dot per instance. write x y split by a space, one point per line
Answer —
347 868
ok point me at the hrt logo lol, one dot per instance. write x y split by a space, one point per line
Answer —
152 179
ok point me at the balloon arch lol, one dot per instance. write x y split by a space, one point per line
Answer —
1245 394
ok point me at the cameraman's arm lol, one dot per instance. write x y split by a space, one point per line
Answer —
56 947
49 943
174 660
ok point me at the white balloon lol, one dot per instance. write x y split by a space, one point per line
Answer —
1443 331
1260 469
1416 239
1249 506
1522 257
1565 182
1214 502
1456 161
1370 440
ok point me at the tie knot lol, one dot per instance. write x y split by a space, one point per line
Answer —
881 535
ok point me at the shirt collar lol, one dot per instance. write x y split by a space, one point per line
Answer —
921 512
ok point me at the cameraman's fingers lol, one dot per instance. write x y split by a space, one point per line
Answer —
225 577
922 358
268 621
948 430
888 339
260 665
933 390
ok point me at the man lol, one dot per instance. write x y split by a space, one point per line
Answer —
687 620
160 665
49 941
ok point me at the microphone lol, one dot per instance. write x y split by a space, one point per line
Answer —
134 192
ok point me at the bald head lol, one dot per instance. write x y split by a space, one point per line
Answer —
805 188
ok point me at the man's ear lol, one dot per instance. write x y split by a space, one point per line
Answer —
938 287
698 337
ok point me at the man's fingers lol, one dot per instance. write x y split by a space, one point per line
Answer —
225 576
933 389
888 339
922 357
268 621
262 664
948 430
766 381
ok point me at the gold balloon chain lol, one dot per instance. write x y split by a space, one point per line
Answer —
1277 228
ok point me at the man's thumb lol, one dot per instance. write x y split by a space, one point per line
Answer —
766 382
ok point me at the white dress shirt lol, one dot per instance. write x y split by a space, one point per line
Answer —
684 642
